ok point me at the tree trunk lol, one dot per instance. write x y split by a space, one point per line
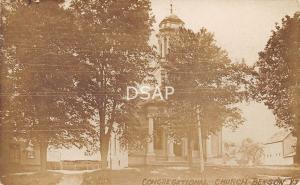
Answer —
43 156
201 158
104 145
104 137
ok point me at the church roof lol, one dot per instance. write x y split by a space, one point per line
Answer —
171 19
278 137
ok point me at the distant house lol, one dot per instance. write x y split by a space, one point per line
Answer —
280 149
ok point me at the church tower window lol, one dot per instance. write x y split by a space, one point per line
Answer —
165 46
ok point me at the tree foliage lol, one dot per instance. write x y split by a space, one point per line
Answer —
278 75
39 58
204 79
251 152
116 53
68 70
203 75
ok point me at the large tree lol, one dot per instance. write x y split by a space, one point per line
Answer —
40 59
116 54
251 152
278 79
207 85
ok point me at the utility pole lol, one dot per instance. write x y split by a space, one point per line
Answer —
200 141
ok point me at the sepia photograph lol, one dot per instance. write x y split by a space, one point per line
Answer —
150 92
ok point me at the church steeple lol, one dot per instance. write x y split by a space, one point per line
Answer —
167 28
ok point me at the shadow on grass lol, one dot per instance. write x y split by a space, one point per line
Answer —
47 178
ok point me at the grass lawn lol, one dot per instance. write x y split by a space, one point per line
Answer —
137 176
32 179
148 176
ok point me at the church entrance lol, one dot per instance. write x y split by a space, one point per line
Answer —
178 149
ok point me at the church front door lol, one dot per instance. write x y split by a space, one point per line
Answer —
178 149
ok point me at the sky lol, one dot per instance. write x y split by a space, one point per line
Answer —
242 28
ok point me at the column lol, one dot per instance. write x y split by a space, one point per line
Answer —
208 146
150 145
165 143
170 149
220 133
185 147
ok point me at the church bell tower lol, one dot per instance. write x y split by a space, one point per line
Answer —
167 28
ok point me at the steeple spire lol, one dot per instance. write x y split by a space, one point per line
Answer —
171 7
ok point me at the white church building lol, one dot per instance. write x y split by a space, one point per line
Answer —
161 149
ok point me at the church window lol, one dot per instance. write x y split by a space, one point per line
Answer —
30 154
14 153
29 151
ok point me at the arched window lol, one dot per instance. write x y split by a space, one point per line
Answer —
165 46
